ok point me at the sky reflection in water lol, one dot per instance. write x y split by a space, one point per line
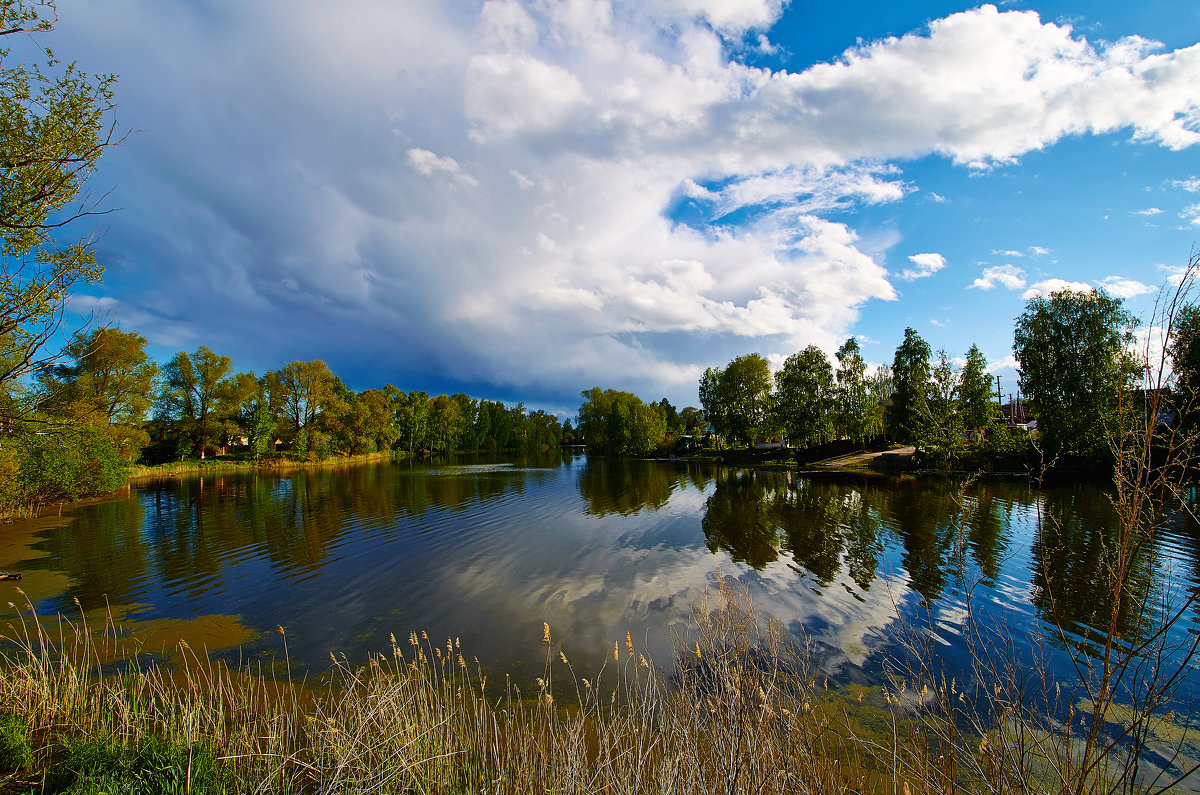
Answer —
487 552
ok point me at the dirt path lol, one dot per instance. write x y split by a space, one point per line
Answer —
861 458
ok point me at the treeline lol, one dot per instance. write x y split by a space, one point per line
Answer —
810 400
619 423
1082 380
106 404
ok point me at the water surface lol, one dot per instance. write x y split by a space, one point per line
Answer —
487 551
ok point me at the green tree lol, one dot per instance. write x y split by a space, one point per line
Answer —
945 422
737 399
236 397
1183 347
192 386
258 424
693 420
711 401
805 396
854 405
619 423
109 377
368 423
56 123
412 418
299 392
975 403
674 421
880 389
107 381
1072 350
908 417
446 422
544 430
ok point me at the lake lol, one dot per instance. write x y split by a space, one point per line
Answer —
486 551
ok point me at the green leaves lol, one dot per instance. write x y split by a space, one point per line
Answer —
55 123
1073 352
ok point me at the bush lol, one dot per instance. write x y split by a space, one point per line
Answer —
67 464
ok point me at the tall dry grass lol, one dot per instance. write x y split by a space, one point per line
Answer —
738 710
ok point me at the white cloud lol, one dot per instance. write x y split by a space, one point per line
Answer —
1007 363
1191 214
730 15
428 163
1007 275
1048 286
1119 287
1191 184
1148 211
924 265
1038 251
1008 253
312 181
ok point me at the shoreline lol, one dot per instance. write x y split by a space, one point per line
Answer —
274 465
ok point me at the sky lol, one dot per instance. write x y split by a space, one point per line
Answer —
520 200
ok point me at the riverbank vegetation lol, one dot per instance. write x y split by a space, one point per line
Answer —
1082 383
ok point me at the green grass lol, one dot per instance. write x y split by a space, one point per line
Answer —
151 766
16 754
270 463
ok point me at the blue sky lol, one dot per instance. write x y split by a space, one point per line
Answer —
520 200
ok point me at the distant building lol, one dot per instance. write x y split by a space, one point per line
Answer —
1015 413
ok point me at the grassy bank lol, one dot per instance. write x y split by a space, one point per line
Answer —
274 463
738 710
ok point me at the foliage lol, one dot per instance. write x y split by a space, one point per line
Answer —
106 381
619 423
412 418
56 123
805 396
975 405
1073 352
148 767
1007 445
856 414
945 425
15 751
192 386
70 463
110 378
299 391
908 416
737 399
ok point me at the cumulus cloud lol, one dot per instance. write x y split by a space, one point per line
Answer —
535 196
1007 363
1008 276
1046 287
923 265
1148 211
1119 287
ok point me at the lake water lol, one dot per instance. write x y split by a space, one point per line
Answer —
487 551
